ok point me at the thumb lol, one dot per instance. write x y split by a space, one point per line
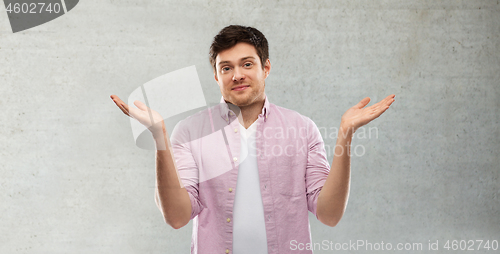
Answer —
140 105
363 102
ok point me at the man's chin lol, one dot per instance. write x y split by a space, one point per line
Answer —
240 103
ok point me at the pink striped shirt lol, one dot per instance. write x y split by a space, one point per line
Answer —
292 168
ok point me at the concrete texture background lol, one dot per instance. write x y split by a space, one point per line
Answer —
72 180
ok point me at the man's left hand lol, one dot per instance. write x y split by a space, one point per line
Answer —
358 115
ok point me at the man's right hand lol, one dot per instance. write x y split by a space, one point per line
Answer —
146 116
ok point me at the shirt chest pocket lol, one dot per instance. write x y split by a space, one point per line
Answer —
288 175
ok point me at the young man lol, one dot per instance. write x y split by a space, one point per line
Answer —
248 171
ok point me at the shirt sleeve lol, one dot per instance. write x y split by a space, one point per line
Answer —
317 168
186 165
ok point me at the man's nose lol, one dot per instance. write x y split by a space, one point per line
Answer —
238 74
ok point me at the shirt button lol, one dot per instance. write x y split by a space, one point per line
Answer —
227 250
228 220
230 189
265 186
235 129
235 159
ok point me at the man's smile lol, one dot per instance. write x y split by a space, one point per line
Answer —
240 87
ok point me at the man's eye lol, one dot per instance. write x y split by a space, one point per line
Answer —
247 64
226 69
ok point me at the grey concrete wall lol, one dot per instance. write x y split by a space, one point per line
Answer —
72 180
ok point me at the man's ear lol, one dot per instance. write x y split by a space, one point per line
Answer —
215 76
267 67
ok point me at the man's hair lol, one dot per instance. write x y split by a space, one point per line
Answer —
229 36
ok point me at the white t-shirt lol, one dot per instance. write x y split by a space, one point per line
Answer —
249 228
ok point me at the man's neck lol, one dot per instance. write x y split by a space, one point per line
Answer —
248 114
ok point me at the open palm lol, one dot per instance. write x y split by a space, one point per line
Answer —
358 115
146 116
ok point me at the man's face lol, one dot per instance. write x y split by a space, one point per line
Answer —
240 75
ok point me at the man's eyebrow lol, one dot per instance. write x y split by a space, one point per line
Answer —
223 62
246 58
241 60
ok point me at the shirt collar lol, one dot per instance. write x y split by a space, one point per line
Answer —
225 111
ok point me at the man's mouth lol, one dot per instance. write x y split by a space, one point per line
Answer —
240 88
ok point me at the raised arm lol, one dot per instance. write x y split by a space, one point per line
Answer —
171 197
333 197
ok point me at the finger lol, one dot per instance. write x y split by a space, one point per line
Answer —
118 101
387 101
363 102
390 97
140 105
376 109
380 111
123 107
383 107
